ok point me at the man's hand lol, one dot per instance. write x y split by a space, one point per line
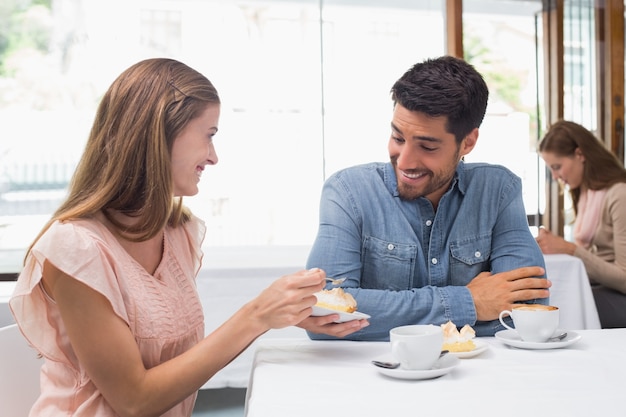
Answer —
325 325
493 293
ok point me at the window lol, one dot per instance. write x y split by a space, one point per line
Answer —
500 41
305 91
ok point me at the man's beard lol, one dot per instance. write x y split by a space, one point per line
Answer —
434 182
410 193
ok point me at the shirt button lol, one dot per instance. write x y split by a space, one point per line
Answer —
429 222
434 261
390 246
477 254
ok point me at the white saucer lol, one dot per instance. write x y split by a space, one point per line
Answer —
443 365
343 316
481 346
511 338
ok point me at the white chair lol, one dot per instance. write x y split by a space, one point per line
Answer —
6 290
19 373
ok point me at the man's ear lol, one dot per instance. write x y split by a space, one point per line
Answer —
468 142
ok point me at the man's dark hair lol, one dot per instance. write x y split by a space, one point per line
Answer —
444 86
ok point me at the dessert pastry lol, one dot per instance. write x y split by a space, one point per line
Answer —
336 299
458 341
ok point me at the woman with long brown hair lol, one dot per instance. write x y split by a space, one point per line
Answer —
107 294
596 180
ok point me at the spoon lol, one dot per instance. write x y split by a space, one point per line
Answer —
336 281
558 337
394 365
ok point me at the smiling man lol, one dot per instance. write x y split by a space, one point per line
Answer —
427 238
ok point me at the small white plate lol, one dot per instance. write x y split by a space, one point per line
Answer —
343 316
511 338
481 346
443 365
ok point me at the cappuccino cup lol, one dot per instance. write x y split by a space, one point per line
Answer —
533 322
416 347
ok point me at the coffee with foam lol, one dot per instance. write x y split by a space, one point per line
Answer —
535 307
533 322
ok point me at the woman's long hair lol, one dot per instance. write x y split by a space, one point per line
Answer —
601 170
126 165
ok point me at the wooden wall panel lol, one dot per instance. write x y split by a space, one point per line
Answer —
610 69
454 28
552 19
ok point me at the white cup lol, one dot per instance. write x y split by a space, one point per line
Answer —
416 347
533 322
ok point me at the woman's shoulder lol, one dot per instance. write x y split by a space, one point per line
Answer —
617 191
188 235
71 232
615 200
618 187
73 242
193 228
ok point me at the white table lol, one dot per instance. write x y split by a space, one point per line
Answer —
300 377
571 292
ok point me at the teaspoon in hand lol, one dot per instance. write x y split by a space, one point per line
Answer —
336 281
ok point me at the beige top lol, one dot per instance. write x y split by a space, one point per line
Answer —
605 260
162 310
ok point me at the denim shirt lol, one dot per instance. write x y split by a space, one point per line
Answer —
406 263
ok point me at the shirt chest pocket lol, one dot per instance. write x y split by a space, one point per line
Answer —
468 258
387 265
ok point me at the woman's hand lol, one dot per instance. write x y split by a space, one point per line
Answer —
288 300
550 243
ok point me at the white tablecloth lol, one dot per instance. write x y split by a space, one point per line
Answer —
335 378
571 292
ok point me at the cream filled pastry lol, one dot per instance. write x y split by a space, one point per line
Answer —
458 341
336 299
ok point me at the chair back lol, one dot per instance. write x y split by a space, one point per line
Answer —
19 373
6 290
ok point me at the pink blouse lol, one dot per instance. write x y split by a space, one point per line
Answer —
163 310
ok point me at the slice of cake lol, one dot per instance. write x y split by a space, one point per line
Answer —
336 299
458 341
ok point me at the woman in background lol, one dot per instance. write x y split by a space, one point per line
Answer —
107 294
597 185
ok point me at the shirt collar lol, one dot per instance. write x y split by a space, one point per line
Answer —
460 178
